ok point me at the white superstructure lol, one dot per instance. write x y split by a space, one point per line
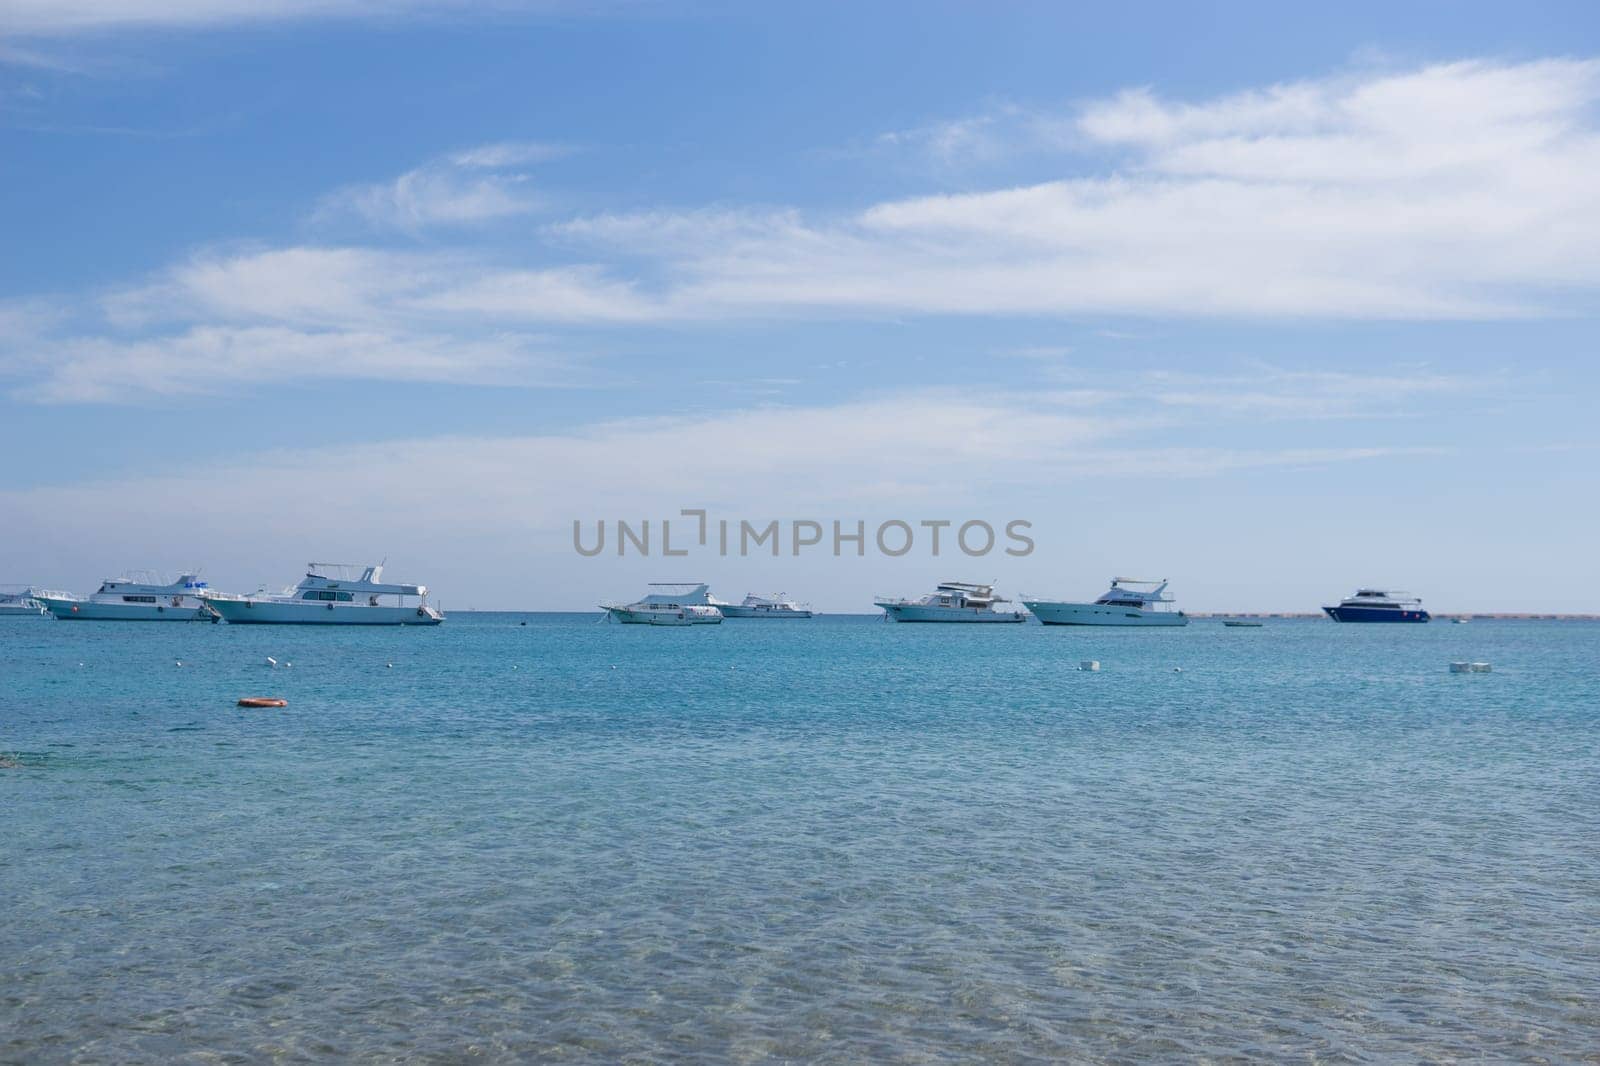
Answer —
17 601
779 606
330 596
952 601
1129 602
668 604
136 597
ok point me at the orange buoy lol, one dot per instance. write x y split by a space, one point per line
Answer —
262 701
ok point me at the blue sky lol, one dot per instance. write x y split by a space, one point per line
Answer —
1269 301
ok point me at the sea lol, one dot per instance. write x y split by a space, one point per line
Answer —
535 837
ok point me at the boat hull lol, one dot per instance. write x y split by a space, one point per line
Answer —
88 611
663 616
315 613
735 611
1377 614
18 610
917 612
1099 614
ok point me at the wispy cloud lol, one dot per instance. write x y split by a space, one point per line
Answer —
38 59
462 188
1458 191
218 322
207 359
915 447
1271 392
59 17
465 507
999 134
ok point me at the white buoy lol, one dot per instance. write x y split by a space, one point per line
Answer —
180 662
271 661
1177 669
1090 665
391 666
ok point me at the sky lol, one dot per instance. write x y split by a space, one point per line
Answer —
1268 300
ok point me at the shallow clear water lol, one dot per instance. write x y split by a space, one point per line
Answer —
838 839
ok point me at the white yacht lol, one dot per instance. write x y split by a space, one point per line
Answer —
754 606
668 604
330 596
137 597
952 601
1129 602
18 602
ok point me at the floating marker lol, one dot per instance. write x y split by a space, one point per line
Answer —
391 666
1471 668
271 661
1090 665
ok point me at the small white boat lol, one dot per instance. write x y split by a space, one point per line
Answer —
1120 605
329 596
18 602
952 601
764 607
667 604
137 597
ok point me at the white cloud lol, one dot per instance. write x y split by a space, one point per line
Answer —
204 359
56 17
1271 392
462 188
508 154
921 450
1460 191
1001 134
302 286
1463 190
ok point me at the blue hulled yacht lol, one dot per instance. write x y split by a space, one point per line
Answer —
1376 605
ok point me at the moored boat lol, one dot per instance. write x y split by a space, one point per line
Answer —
329 596
779 606
1129 602
18 602
1377 605
136 597
667 604
952 601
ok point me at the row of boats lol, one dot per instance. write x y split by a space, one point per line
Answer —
329 594
338 594
1128 602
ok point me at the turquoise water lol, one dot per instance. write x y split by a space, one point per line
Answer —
839 839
